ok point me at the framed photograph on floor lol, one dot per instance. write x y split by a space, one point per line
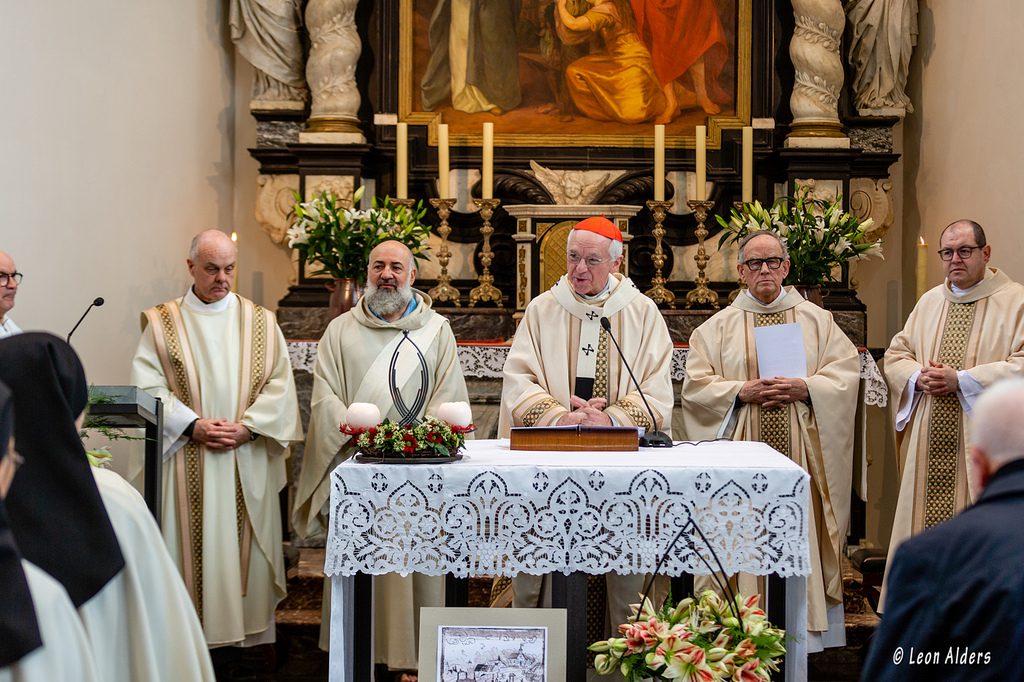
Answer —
524 645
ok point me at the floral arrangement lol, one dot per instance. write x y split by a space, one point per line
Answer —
820 236
430 438
707 639
341 238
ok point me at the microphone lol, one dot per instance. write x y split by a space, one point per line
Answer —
98 301
650 439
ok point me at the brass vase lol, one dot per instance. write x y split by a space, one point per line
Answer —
344 295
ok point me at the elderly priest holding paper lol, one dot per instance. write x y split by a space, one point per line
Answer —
352 366
220 365
775 368
563 369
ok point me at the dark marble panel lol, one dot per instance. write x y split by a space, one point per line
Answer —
480 325
302 324
277 133
876 140
855 324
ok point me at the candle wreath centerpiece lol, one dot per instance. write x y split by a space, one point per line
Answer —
410 440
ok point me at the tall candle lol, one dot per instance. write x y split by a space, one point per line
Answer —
402 161
922 268
442 160
234 275
487 181
747 193
702 163
659 163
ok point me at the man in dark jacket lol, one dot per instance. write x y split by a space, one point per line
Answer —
955 609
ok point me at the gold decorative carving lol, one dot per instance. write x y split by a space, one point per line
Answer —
658 293
521 290
700 292
444 291
486 291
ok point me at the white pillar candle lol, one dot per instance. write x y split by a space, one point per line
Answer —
702 163
659 163
362 415
443 164
457 414
402 161
747 194
487 181
234 275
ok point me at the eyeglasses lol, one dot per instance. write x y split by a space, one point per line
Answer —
6 277
964 252
575 258
755 264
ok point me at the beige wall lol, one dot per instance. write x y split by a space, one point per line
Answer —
124 133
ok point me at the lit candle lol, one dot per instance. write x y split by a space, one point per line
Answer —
702 163
922 268
442 160
402 161
234 278
487 181
362 415
457 414
747 194
659 163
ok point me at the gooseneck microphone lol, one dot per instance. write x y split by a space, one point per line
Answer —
98 301
650 439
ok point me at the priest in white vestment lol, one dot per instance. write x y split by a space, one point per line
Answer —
219 364
9 280
562 369
808 418
962 336
352 365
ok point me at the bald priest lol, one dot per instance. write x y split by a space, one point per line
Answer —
562 369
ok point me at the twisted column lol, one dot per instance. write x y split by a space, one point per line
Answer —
818 64
331 69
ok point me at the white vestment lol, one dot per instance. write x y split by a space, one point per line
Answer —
352 365
8 328
560 349
67 654
217 368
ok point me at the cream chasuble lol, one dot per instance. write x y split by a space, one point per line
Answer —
352 363
221 514
560 350
980 331
819 436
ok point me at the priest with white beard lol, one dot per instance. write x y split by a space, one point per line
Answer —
352 366
562 368
808 418
219 364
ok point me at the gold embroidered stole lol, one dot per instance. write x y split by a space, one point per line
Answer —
178 362
946 423
774 424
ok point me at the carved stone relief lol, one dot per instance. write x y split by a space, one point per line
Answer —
331 70
814 51
871 198
570 187
274 201
341 186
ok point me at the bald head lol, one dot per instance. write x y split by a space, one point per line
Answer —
10 289
997 429
211 262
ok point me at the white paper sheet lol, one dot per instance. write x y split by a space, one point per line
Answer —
780 351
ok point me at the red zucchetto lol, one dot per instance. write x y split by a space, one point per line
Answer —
601 226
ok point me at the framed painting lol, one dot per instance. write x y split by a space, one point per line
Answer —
575 73
492 645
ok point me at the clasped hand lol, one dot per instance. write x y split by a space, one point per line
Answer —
587 412
773 393
938 379
220 434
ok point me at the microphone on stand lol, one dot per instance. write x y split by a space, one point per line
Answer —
650 439
98 301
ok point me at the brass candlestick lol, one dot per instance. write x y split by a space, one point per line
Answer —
486 291
658 293
740 284
444 291
407 203
701 293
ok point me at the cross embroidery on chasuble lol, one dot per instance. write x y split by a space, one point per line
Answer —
774 423
946 421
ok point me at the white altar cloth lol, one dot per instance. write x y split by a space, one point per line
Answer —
503 512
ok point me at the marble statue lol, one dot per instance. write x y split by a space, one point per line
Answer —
570 187
266 33
882 35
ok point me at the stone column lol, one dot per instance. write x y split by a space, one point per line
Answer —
819 73
331 73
